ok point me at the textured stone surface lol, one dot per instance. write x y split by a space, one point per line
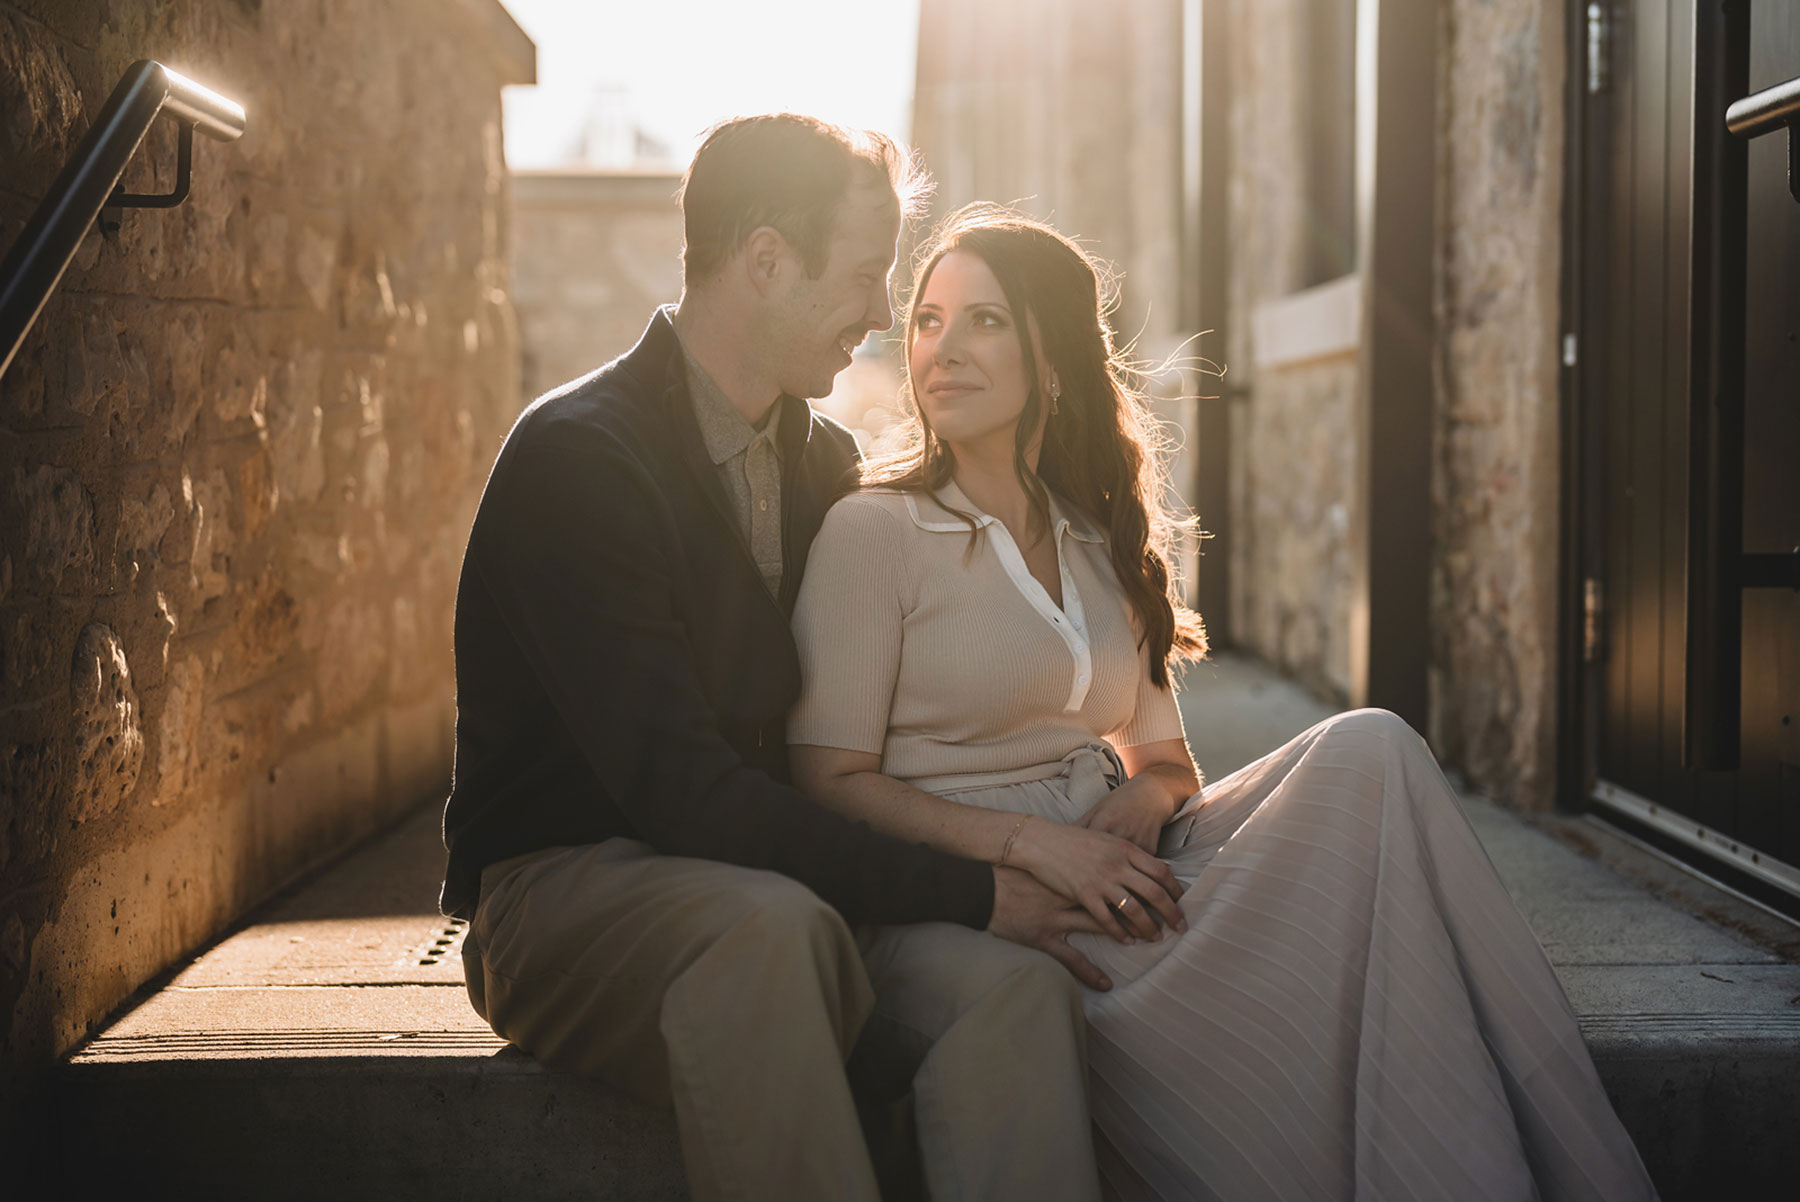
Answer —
1495 476
238 457
593 254
1292 430
1290 563
109 740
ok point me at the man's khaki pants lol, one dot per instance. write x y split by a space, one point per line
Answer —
737 995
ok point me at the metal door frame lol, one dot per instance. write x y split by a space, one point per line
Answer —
1591 132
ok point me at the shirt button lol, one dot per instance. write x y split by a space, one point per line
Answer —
1081 679
764 505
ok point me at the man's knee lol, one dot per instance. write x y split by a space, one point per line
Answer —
781 912
782 946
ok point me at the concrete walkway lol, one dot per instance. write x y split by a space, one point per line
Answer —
328 1048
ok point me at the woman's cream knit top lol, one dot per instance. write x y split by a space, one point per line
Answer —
952 664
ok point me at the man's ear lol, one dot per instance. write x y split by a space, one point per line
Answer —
766 258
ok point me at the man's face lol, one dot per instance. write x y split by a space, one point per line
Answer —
818 322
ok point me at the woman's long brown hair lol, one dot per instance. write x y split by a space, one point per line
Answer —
1099 449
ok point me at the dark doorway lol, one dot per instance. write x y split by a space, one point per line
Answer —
1684 643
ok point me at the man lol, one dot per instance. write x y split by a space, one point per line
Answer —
650 901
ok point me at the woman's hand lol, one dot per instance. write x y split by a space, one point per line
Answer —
1126 889
1136 811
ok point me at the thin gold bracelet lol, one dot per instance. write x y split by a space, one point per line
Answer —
1006 850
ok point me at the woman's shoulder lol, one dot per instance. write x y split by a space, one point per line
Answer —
869 513
871 500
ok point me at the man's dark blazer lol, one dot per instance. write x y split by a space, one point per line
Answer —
621 669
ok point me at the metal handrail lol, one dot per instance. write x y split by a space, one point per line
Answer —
1769 111
36 261
1766 111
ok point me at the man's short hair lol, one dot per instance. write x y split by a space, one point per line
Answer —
788 172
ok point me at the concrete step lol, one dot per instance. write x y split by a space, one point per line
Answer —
328 1048
1694 1028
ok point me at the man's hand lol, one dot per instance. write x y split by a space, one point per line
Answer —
1031 914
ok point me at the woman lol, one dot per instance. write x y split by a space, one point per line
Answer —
1342 1002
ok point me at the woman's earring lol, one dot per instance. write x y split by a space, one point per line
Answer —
1055 396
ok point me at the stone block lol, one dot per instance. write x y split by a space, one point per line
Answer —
58 544
137 540
208 502
109 737
183 379
27 649
267 624
40 101
180 747
34 780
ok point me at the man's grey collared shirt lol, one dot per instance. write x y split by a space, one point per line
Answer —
748 460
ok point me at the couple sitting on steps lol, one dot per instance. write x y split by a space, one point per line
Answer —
784 779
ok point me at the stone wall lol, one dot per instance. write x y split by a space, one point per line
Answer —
1291 465
1292 430
238 458
1495 477
1074 115
594 252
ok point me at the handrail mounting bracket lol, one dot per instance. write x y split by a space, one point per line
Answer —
110 217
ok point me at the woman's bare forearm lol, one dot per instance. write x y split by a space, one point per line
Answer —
1091 868
1168 763
1178 781
896 808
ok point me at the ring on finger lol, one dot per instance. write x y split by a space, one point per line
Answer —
1122 902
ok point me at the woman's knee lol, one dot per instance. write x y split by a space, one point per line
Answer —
1377 741
1383 725
1038 981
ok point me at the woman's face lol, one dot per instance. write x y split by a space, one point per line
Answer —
967 366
